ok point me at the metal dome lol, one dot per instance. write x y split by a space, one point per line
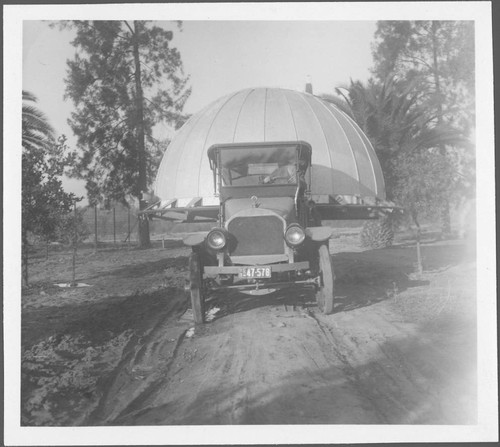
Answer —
343 160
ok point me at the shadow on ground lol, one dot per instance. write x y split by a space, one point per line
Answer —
434 383
100 321
362 279
141 269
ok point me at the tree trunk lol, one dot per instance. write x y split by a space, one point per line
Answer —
445 220
445 212
96 241
417 237
143 228
143 224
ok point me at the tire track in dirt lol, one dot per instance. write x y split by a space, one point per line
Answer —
144 366
280 365
351 372
393 366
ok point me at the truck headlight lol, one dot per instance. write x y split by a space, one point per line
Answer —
294 235
216 239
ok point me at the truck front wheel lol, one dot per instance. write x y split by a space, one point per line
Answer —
326 291
196 288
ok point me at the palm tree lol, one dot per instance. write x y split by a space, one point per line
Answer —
37 133
392 115
394 119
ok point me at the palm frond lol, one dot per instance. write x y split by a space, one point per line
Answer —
36 129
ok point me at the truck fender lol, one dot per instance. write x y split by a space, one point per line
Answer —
195 239
319 234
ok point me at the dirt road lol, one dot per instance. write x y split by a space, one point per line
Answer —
398 350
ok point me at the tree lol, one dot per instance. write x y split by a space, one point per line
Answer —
72 225
44 159
438 57
125 78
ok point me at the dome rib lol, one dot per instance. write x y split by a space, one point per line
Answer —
293 118
250 91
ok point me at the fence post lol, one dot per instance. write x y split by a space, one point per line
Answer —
75 238
114 227
419 255
95 228
129 226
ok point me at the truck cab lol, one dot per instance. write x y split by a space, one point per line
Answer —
267 237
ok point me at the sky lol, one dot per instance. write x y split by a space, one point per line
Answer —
220 57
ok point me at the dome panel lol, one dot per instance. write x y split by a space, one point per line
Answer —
375 163
168 178
224 124
279 125
367 181
341 159
220 130
250 124
188 167
309 130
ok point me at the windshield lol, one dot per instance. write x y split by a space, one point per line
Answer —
258 166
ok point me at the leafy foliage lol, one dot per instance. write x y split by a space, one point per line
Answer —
43 162
65 230
377 233
108 89
438 56
422 182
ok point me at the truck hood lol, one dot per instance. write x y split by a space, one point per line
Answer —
283 206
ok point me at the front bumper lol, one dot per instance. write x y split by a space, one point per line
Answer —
213 271
283 276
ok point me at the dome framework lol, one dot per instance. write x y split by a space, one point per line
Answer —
344 163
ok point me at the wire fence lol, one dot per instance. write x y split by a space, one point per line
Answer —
117 224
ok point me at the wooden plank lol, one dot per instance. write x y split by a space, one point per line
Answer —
151 206
185 214
169 202
196 201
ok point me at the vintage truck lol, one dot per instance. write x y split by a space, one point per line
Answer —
266 166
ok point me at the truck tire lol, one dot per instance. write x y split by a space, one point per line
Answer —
325 295
196 288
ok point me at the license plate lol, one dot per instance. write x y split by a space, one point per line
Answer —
255 272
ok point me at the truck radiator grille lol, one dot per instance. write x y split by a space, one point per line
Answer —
259 235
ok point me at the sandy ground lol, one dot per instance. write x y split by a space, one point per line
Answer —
400 349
